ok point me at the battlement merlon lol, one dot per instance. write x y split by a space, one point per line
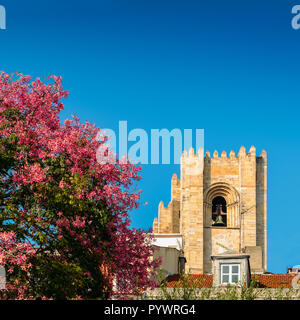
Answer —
175 187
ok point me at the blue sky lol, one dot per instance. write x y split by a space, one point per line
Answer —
231 68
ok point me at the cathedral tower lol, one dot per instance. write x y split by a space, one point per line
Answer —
218 205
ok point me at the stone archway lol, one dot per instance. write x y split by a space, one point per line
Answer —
232 197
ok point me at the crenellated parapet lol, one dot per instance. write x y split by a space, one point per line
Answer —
168 217
242 154
164 218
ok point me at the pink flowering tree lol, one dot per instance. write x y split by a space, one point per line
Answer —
15 258
55 195
134 249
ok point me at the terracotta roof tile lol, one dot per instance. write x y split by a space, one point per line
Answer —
206 280
194 280
274 280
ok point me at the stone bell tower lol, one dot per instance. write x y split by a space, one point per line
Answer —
218 205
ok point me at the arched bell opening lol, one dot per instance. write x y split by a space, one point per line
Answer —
219 211
225 198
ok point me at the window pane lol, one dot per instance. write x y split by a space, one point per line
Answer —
225 278
235 269
235 278
225 269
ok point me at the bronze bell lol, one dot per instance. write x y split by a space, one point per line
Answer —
219 221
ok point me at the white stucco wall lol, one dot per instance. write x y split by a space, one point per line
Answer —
168 240
167 247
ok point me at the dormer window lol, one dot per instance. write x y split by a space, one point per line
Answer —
219 212
231 268
230 273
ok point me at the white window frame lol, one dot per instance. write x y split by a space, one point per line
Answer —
230 274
